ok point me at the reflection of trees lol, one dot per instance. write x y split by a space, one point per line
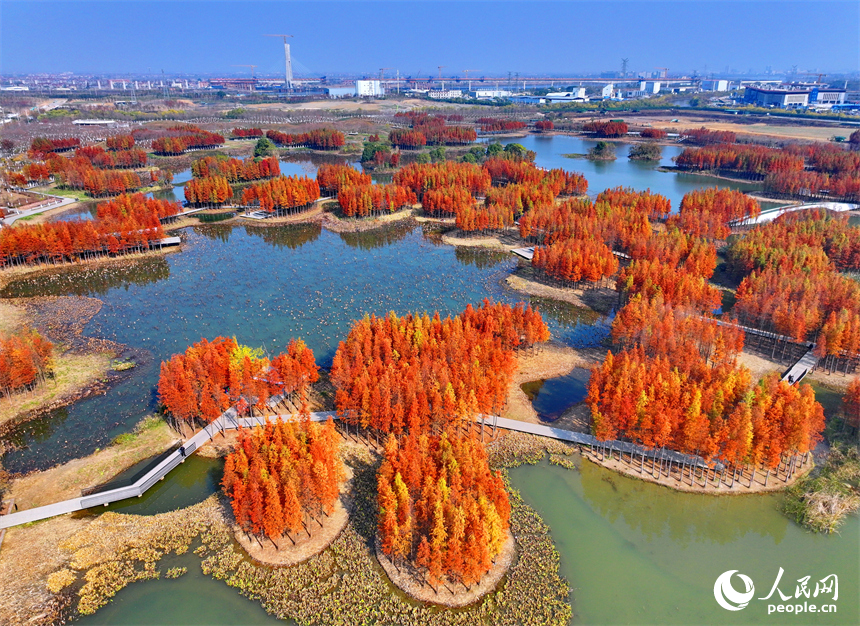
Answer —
216 232
378 237
291 236
565 313
482 259
89 280
656 511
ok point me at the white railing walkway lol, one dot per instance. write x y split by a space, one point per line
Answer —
230 421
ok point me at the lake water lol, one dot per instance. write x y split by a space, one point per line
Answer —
634 553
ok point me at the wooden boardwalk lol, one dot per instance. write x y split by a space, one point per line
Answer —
230 421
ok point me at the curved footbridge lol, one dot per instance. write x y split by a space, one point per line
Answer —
230 421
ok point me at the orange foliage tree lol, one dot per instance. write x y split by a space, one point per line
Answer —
26 358
441 507
283 475
415 372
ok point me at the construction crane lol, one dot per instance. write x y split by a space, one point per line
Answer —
440 71
466 72
253 69
288 76
817 80
664 73
382 72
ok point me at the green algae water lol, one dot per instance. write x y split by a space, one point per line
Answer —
638 553
192 599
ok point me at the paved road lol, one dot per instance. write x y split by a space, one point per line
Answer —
59 202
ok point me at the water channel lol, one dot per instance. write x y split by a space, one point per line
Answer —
634 553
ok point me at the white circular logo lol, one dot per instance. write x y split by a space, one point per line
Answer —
727 597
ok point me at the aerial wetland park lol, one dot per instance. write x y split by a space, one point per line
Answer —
406 357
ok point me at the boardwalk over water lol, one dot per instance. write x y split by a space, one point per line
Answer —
230 421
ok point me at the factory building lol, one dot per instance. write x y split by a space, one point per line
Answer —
577 95
715 85
777 97
369 89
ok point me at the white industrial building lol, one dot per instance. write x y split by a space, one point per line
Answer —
827 96
491 94
651 86
577 95
369 89
445 94
715 85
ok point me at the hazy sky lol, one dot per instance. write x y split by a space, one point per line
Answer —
490 37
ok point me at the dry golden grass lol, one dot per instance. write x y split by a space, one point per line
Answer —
11 317
30 554
72 373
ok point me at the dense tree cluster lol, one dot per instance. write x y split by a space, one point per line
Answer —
573 261
814 186
716 414
333 178
374 200
484 218
247 133
120 142
282 476
318 139
693 254
34 173
707 212
125 224
653 133
26 358
79 173
499 125
41 146
212 376
186 137
521 197
446 201
208 191
751 161
704 137
807 239
406 138
124 159
676 383
419 373
544 125
504 171
792 285
436 130
617 225
677 287
441 507
606 129
655 206
421 177
283 195
234 170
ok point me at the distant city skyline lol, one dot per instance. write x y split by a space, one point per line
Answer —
416 37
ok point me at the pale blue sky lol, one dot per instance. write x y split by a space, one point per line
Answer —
491 37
